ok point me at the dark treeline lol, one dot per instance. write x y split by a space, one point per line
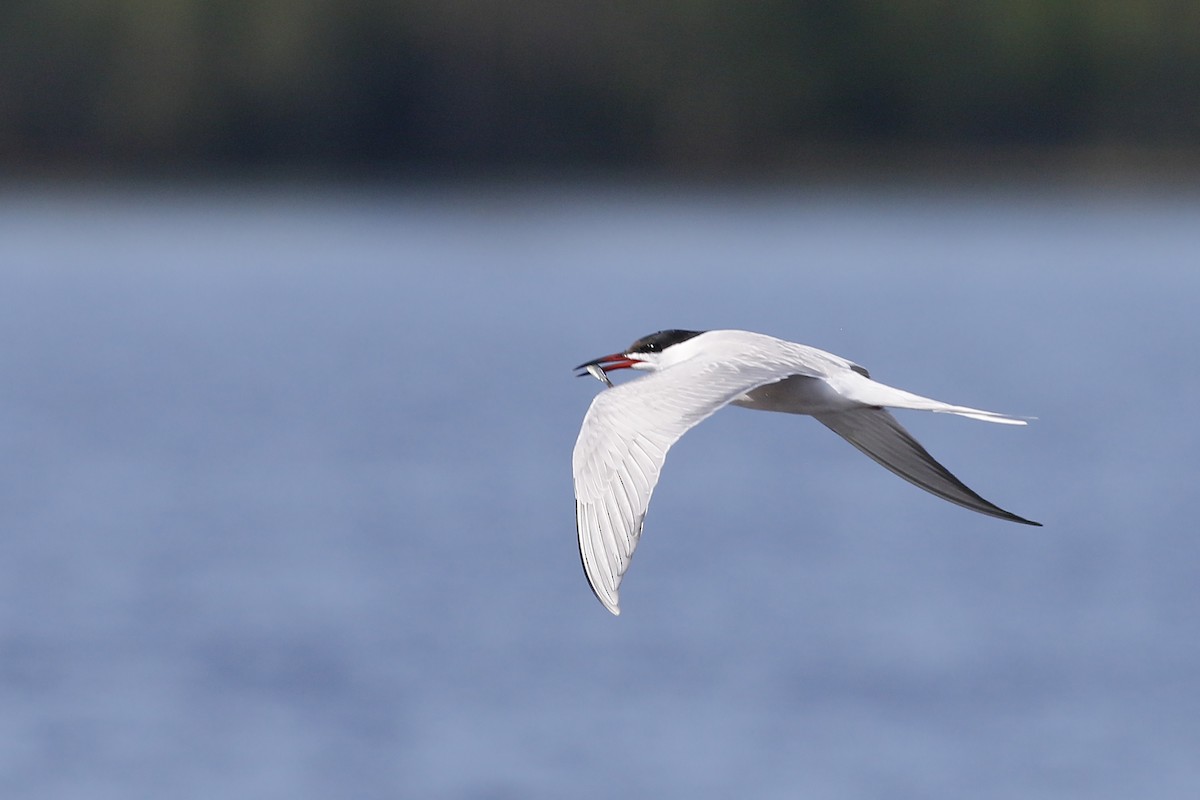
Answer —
675 85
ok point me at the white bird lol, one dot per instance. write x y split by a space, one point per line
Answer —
629 428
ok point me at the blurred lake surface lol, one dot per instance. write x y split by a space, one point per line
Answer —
285 496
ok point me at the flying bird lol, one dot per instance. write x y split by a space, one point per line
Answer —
693 374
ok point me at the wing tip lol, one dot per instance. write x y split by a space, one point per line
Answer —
1007 516
613 604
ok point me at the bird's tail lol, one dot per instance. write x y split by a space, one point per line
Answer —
879 394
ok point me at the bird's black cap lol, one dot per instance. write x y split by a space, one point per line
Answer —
657 342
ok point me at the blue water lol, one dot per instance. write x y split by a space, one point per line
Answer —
285 497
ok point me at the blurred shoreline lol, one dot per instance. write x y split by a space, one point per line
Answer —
1095 167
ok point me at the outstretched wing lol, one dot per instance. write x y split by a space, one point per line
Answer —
876 432
621 448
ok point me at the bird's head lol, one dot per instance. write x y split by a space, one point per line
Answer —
648 353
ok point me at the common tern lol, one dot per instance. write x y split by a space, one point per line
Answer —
693 374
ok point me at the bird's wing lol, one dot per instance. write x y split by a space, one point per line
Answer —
876 432
623 443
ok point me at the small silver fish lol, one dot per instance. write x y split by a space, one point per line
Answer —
599 374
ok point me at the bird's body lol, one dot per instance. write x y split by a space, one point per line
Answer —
693 374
